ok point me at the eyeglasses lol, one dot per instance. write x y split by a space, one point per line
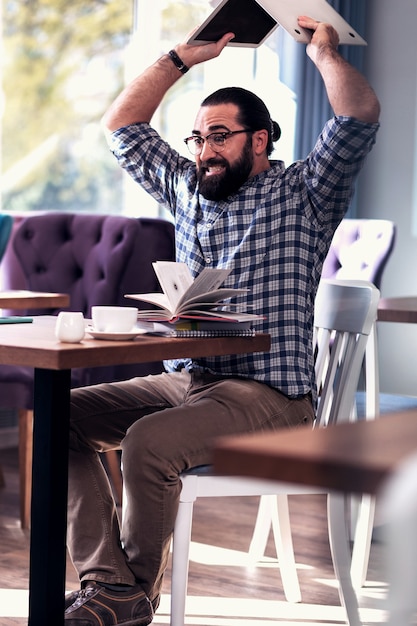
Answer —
216 141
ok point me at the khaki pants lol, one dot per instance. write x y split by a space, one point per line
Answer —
164 424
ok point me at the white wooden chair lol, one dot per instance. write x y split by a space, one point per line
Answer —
345 312
362 508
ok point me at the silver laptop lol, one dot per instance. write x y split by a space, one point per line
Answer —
253 21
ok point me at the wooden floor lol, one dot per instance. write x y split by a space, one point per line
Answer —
224 589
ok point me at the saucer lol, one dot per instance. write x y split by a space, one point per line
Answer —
111 336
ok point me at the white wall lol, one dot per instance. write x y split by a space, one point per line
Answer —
388 184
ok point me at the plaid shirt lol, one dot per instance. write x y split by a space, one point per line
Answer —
274 234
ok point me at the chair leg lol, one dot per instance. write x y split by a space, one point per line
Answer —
115 474
180 561
25 464
273 511
362 540
340 549
262 528
285 550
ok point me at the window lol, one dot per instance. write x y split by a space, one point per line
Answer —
63 63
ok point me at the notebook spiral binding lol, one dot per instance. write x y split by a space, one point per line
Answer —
213 333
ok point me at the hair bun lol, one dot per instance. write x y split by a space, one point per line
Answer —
276 131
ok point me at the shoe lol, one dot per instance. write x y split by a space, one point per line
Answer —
71 597
97 606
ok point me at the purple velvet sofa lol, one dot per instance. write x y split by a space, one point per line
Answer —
96 259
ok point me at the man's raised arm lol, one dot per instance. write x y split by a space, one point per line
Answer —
140 99
348 90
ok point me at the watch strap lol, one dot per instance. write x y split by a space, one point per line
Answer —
179 63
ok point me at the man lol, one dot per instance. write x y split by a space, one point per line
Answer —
272 227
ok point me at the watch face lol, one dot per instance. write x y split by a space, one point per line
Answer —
250 22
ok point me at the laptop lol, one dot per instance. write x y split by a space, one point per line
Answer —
253 21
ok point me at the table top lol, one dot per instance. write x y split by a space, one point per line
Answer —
24 299
403 310
35 345
350 457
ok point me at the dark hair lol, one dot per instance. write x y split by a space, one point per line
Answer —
253 113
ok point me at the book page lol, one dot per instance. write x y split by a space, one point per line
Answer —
175 279
208 280
214 314
158 299
208 299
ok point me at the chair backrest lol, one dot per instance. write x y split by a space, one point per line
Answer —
96 259
6 223
345 312
360 250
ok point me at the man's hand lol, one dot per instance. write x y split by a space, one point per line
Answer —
348 90
322 35
192 55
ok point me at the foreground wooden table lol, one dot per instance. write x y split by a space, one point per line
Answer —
351 457
35 345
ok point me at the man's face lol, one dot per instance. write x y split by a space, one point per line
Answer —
221 174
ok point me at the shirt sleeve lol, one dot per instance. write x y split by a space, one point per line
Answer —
152 163
330 170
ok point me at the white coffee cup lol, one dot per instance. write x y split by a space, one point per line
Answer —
114 319
70 327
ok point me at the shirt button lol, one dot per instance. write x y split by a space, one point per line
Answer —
208 261
208 227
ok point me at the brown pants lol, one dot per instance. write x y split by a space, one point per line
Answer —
164 424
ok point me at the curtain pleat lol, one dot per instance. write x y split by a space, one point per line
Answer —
300 75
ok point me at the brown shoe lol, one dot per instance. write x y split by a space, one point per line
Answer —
71 597
97 606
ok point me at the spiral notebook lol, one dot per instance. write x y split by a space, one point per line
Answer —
200 328
213 333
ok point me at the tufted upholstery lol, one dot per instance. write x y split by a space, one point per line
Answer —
360 250
81 255
96 259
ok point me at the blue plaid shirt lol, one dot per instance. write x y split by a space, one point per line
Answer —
274 234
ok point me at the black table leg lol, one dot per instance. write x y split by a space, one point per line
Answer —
49 498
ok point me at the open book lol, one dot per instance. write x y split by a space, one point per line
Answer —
184 297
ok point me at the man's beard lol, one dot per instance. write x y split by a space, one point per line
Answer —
220 186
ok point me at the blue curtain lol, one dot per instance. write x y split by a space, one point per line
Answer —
300 75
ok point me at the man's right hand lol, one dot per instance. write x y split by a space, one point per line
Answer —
192 55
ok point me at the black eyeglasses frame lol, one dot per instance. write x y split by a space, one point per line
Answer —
224 134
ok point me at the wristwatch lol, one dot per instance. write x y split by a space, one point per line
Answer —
179 63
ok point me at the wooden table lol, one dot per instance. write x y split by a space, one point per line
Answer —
35 345
351 457
403 310
19 299
23 299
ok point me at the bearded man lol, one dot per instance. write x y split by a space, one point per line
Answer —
272 227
